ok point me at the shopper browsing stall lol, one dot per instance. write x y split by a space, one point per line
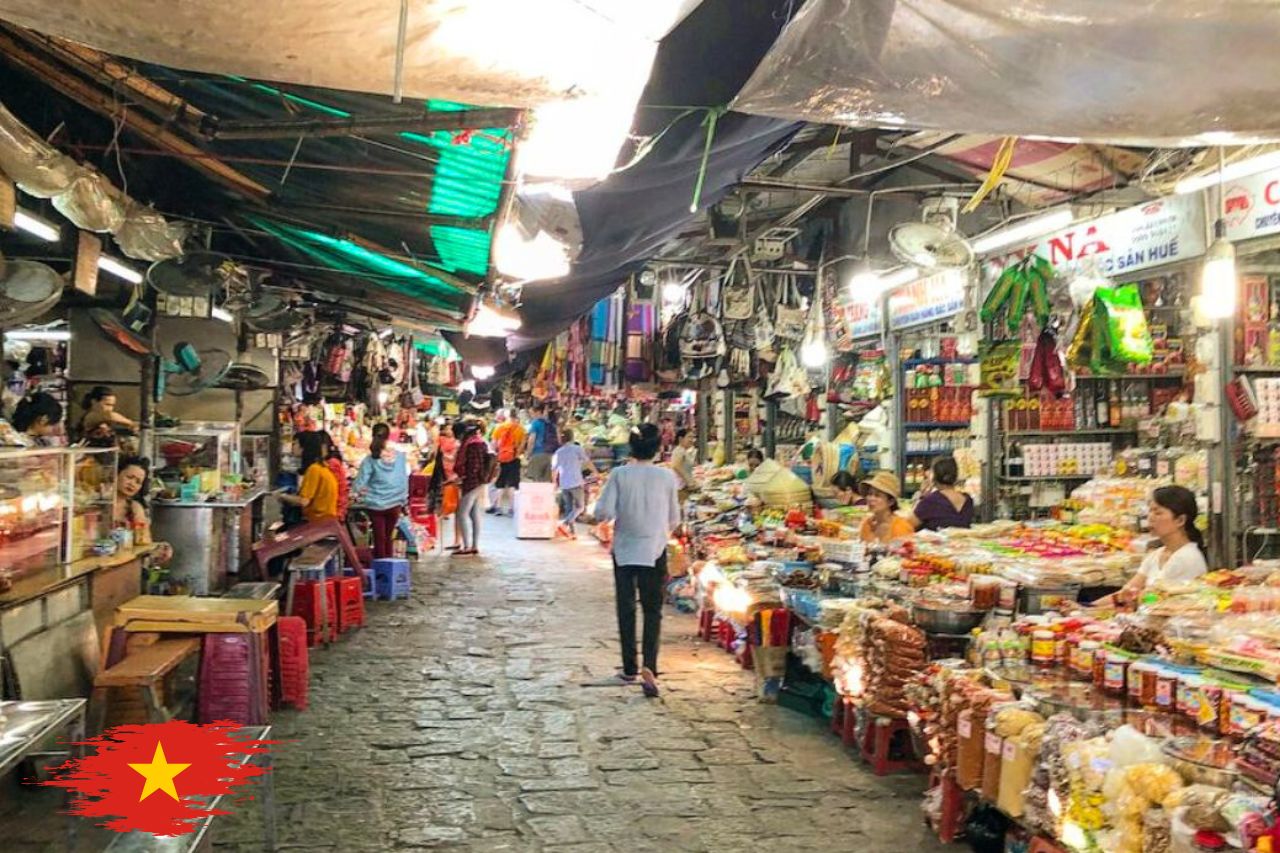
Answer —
382 487
883 491
683 458
566 471
643 501
942 504
539 446
508 438
1181 555
317 495
473 460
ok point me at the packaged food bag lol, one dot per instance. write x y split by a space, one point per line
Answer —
1127 337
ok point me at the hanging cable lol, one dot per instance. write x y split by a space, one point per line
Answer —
713 115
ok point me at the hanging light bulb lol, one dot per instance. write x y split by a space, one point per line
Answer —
864 282
1218 277
813 350
813 353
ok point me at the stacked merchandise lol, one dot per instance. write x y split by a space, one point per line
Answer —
233 679
893 653
295 671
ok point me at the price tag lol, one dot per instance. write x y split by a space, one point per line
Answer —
1009 750
994 743
1162 467
964 727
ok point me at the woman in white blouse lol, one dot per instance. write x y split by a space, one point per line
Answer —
1180 557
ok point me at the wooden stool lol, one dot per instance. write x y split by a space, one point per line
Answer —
144 670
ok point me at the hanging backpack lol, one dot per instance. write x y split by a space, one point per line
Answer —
702 342
789 319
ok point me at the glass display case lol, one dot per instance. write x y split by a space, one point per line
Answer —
33 506
255 459
195 459
92 499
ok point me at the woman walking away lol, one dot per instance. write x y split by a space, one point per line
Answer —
643 501
382 487
472 468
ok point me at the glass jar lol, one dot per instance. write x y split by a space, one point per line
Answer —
1100 667
1044 648
1084 657
1166 688
1117 667
1134 681
1190 695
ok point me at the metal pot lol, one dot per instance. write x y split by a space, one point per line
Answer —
944 620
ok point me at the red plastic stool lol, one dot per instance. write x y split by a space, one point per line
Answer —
849 725
233 679
951 814
727 636
877 741
350 603
295 670
706 624
746 658
837 715
317 603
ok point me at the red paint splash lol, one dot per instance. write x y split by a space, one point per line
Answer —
107 788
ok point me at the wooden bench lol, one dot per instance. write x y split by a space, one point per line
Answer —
263 590
144 669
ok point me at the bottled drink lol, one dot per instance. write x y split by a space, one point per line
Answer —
1101 411
1114 407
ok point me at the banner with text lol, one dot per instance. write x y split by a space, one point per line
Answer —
929 299
1251 206
1148 235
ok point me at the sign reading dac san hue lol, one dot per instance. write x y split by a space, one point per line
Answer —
1251 206
934 297
1159 232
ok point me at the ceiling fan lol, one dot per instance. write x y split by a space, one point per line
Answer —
932 243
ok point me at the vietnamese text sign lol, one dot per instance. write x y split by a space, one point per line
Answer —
1251 206
862 316
1148 235
934 297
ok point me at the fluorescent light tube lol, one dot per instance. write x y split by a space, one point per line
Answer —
1026 230
36 227
111 265
1230 172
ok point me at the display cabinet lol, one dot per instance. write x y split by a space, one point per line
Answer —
91 498
255 459
199 455
33 507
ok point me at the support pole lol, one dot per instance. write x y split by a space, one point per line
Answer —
770 428
729 437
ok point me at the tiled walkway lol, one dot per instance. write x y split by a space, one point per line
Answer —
460 719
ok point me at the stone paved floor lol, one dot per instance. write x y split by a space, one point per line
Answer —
460 720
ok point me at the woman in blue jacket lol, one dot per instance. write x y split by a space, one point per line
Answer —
381 488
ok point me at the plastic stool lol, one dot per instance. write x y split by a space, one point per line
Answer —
837 716
849 724
391 578
706 621
295 669
317 603
876 743
233 679
350 603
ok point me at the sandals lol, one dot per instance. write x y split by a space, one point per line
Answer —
649 683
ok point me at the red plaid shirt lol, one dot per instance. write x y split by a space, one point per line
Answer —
471 463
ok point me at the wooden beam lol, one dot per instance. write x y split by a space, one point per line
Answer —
213 128
90 97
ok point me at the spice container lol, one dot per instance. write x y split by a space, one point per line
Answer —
1100 667
1116 668
1134 681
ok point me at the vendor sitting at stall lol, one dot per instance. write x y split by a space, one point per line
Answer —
883 490
133 480
755 458
846 486
941 504
35 419
1180 557
317 495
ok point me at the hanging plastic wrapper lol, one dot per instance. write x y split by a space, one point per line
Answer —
1179 72
83 195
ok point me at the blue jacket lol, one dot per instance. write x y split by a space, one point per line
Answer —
384 484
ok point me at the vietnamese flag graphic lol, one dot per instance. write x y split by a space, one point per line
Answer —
159 777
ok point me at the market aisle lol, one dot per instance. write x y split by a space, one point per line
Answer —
459 720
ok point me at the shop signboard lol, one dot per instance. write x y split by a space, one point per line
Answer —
1251 206
861 315
1158 232
927 300
537 514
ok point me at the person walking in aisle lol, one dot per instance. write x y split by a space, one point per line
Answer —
508 439
566 473
538 448
643 501
382 487
471 468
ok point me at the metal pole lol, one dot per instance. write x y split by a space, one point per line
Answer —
1222 496
702 417
770 428
729 449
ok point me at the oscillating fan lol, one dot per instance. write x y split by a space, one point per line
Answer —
27 290
932 243
190 371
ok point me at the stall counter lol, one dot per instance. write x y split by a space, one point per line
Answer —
210 539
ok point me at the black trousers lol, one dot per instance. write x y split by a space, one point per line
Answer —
648 582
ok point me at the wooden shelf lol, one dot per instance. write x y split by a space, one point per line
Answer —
1135 377
941 425
1053 479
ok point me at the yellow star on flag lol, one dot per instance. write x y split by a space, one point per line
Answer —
159 774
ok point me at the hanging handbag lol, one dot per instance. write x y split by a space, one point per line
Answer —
789 318
738 294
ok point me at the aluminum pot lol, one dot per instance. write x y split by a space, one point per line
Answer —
945 620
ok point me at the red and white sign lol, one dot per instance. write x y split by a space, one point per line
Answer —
537 513
862 317
934 297
1251 206
1148 235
